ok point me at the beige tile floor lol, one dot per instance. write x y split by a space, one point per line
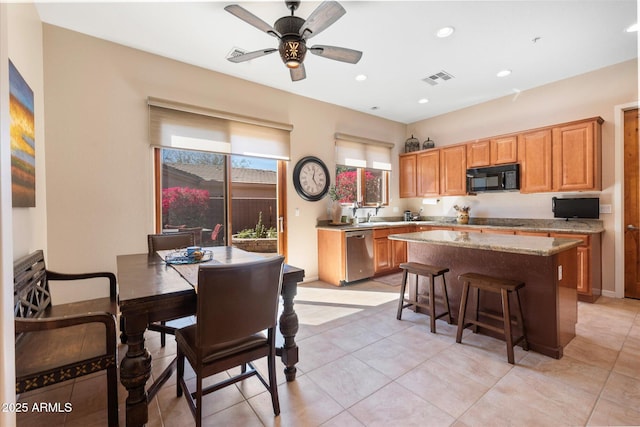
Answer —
359 366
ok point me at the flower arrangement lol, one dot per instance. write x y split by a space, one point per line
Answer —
463 214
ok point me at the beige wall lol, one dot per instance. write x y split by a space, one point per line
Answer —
99 165
25 51
22 229
592 94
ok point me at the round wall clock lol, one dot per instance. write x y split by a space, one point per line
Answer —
311 178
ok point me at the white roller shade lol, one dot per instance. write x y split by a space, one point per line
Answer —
259 141
176 125
178 129
362 152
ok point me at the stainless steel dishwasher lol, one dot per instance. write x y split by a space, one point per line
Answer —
359 255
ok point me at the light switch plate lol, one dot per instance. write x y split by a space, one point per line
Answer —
605 208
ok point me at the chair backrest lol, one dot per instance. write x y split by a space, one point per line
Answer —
162 242
196 231
31 295
237 300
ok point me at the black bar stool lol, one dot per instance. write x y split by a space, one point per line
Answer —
431 272
504 287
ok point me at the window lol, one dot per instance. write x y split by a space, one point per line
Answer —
216 172
362 171
370 187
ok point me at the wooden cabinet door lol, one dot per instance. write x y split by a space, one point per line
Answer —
428 173
398 253
478 154
408 173
574 157
453 171
584 261
534 153
584 270
381 255
504 150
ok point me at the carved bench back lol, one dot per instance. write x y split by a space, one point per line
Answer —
31 294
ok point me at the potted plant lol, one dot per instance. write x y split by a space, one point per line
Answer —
463 214
257 239
336 194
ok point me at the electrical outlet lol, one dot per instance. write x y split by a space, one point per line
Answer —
297 212
605 208
559 272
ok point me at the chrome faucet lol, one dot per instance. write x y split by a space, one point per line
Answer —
369 216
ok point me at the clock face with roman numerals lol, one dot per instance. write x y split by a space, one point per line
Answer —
311 178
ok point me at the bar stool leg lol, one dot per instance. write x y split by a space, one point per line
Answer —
402 291
432 305
475 325
463 309
507 325
520 317
446 299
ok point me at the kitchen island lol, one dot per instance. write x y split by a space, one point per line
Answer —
547 265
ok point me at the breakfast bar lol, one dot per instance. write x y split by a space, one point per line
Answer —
547 266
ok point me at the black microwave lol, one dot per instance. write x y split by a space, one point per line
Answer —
494 178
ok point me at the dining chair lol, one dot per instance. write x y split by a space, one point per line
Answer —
236 303
161 242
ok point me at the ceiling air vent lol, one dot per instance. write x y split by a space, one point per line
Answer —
437 78
236 51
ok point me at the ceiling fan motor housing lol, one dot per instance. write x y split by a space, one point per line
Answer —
292 48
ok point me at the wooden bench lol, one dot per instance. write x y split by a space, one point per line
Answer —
66 341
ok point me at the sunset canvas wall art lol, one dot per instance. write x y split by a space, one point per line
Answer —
22 136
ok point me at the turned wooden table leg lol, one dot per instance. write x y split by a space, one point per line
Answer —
135 370
289 328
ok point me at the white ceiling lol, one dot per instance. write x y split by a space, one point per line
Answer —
398 41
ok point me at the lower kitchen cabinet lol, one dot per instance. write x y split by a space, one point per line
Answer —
589 267
389 254
331 256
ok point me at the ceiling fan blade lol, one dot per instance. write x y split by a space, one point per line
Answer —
251 19
337 53
251 55
326 14
298 73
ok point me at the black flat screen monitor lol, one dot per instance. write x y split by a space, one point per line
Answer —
585 207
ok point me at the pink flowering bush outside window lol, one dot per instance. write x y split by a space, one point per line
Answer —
184 206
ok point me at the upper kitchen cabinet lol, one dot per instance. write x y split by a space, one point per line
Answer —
453 170
534 155
428 177
479 154
504 150
496 151
577 156
408 175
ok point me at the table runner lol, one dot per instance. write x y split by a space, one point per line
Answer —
188 271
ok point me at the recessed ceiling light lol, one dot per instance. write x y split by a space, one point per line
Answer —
361 77
423 101
503 73
632 28
445 32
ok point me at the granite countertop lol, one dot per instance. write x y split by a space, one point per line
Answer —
573 226
528 245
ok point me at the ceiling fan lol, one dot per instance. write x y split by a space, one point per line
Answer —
293 33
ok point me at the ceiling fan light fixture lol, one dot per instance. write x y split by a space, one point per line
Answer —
292 52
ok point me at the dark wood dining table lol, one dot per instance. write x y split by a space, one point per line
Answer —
150 290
